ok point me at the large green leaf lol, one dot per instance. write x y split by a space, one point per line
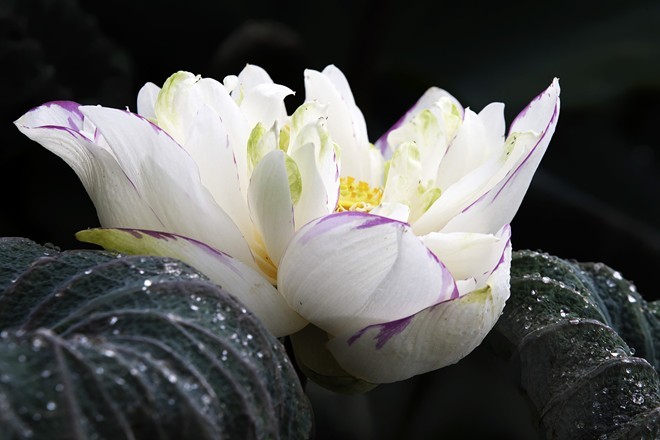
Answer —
586 346
94 345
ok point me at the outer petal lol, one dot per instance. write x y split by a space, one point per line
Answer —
499 205
244 283
160 180
58 126
270 203
433 338
349 270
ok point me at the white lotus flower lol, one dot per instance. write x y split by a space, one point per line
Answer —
394 257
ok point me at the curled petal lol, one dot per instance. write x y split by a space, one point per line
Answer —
135 173
469 255
433 338
498 206
349 270
258 295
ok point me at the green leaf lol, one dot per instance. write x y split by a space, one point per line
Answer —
572 331
95 345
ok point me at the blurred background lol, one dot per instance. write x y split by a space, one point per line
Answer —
596 196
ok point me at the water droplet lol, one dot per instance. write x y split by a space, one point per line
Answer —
194 307
88 271
631 299
628 371
147 283
51 406
113 320
580 425
249 337
617 275
99 370
260 355
109 353
637 399
171 377
574 321
206 399
37 343
22 358
563 313
45 373
5 378
4 334
218 317
59 387
545 280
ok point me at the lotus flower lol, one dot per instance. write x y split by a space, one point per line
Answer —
383 261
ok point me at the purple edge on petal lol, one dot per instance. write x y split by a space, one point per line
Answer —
159 235
393 328
386 332
513 174
329 222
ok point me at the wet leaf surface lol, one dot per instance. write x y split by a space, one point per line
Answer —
586 348
99 346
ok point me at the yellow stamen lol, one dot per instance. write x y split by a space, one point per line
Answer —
356 195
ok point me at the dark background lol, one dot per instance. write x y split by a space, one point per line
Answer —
595 197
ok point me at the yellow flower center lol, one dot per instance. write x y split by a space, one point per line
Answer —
356 195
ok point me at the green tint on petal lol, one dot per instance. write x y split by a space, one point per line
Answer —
126 242
295 180
285 137
164 107
428 197
261 142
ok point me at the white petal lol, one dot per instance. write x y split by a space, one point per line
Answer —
345 122
468 150
500 204
167 179
462 194
58 126
146 100
492 118
433 338
265 104
271 207
469 255
396 211
185 99
258 295
426 101
349 270
208 144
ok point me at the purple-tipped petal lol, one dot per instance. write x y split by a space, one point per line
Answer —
498 206
135 173
258 295
433 338
350 270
